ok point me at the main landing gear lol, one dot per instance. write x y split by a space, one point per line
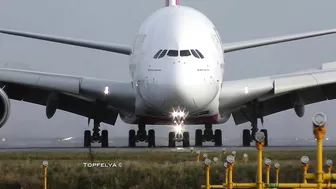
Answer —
141 136
96 136
252 112
249 137
208 136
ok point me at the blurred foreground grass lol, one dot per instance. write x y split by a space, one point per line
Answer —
140 170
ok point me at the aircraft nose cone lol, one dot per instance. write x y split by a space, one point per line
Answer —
189 96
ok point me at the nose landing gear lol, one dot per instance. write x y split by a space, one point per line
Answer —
179 136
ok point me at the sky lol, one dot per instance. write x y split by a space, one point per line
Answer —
118 21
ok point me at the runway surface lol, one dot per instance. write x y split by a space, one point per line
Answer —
71 144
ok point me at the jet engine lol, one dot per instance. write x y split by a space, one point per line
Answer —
4 107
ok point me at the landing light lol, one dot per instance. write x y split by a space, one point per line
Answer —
277 165
268 162
207 162
304 159
260 136
234 152
106 91
245 155
215 159
319 119
205 155
178 128
45 163
230 159
329 162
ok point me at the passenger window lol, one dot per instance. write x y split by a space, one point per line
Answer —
200 54
163 53
185 53
157 54
194 53
172 53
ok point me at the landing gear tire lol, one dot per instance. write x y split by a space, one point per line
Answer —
171 139
218 137
186 139
198 137
151 138
246 137
87 138
104 139
131 138
266 136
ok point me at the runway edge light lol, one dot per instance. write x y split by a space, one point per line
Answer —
319 119
304 159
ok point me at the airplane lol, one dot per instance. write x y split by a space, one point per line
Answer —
176 69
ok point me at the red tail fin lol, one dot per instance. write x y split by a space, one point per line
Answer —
172 2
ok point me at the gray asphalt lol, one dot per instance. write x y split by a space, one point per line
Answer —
120 144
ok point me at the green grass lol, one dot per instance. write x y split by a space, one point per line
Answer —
140 170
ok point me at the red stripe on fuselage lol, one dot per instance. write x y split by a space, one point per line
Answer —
210 119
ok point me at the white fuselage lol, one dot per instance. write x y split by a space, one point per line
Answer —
179 76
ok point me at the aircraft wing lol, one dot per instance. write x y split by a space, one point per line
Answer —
116 48
127 49
269 95
78 95
231 47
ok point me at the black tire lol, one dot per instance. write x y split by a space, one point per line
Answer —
131 138
171 141
266 136
186 139
87 138
218 137
246 137
151 138
104 142
198 137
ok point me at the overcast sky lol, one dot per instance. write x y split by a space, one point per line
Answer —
118 21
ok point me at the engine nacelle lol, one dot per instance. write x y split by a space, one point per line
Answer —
299 109
4 107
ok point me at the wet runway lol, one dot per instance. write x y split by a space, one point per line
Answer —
120 144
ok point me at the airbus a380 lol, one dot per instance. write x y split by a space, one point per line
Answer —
177 68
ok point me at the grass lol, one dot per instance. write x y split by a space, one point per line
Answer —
140 170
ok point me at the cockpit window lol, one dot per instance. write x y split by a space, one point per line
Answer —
194 53
172 53
200 54
157 54
163 53
185 53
